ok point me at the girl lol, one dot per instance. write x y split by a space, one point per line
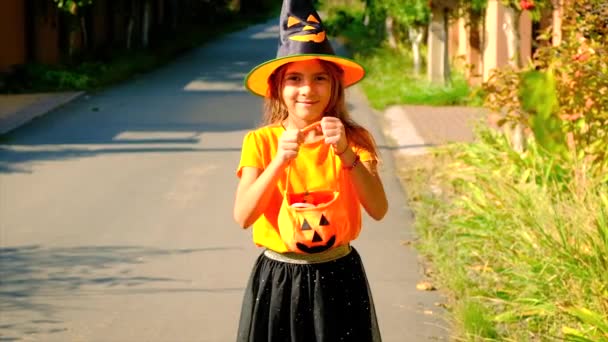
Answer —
308 284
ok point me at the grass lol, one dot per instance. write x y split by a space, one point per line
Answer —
521 245
390 78
390 81
476 321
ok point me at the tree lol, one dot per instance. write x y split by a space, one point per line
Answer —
512 16
473 12
76 23
515 8
414 15
72 6
564 93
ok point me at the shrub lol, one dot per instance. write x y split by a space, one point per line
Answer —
562 97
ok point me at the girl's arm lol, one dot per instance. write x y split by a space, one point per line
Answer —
367 183
252 194
256 185
364 175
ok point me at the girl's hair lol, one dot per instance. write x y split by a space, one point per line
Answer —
275 110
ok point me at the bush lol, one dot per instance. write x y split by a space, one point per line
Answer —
562 96
519 241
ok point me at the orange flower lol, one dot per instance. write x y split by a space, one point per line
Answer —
526 5
571 117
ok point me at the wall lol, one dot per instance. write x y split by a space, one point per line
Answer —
45 32
12 34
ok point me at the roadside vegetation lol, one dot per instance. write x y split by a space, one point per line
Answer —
518 239
390 77
91 70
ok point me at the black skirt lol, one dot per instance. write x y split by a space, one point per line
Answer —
318 302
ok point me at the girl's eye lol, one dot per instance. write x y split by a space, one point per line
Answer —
292 78
322 78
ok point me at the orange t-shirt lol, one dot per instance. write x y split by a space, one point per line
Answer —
312 170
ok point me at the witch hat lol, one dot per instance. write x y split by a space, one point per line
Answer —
302 37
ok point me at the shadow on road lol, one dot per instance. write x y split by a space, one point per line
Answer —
169 110
33 277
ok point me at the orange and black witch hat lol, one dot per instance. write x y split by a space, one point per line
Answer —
301 37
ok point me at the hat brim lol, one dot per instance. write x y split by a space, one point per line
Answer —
257 80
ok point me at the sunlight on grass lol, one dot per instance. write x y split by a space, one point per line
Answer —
475 321
390 81
390 78
525 237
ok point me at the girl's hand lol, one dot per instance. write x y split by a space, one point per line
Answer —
289 145
334 133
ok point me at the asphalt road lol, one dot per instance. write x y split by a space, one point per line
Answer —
116 211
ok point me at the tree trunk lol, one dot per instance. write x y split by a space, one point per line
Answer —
235 5
75 36
367 11
476 44
130 32
437 56
134 28
389 23
511 29
85 32
174 6
447 77
145 36
416 34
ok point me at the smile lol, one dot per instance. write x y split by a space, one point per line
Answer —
317 249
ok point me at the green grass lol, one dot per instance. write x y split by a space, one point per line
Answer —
520 241
390 78
390 81
476 321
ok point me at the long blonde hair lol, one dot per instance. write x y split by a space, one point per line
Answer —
276 112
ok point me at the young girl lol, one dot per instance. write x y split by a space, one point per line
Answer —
307 285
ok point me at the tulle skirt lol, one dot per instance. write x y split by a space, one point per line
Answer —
308 302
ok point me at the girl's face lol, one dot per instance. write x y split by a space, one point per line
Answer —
306 90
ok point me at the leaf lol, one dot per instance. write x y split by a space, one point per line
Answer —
507 316
574 335
538 95
589 317
525 176
409 12
523 311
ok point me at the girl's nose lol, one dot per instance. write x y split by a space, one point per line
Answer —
306 87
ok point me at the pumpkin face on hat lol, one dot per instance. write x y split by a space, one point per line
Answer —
302 36
315 233
311 28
